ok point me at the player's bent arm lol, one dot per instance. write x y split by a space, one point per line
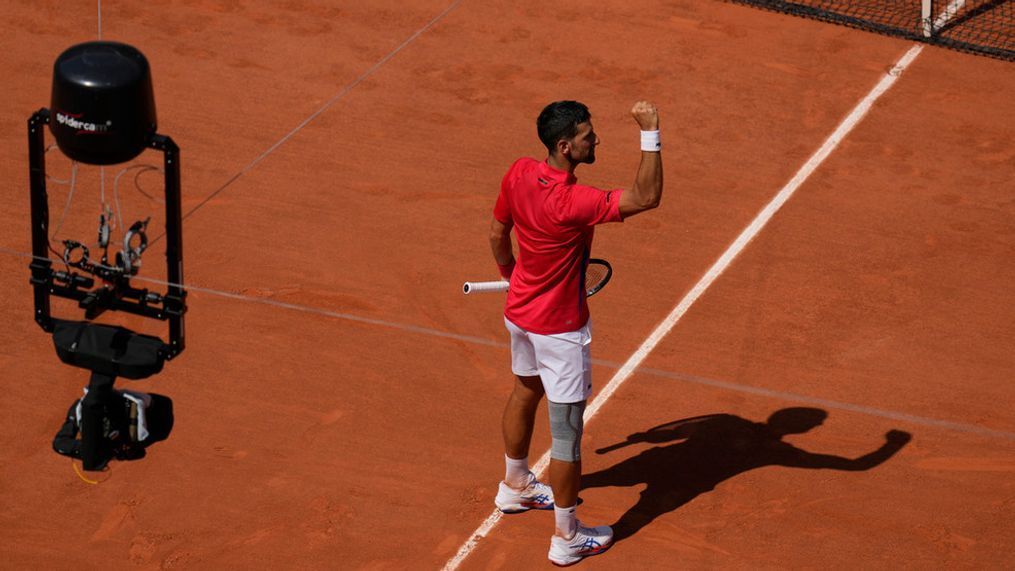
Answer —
648 183
500 243
647 191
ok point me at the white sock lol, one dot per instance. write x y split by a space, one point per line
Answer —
567 521
516 473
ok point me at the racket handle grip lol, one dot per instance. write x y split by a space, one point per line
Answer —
480 287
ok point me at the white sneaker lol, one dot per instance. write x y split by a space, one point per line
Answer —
535 496
587 541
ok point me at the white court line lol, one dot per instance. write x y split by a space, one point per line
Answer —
827 403
717 269
677 376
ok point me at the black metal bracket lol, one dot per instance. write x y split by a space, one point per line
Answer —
116 292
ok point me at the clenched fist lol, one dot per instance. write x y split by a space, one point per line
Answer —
898 437
646 115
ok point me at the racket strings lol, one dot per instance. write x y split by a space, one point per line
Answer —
597 273
594 275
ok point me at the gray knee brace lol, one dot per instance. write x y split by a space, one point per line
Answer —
566 425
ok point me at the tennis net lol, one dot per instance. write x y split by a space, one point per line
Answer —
984 27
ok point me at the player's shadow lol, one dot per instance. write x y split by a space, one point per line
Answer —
711 449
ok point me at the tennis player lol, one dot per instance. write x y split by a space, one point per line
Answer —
546 312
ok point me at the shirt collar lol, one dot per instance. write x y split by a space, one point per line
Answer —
555 175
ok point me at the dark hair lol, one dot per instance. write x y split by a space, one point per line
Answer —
560 120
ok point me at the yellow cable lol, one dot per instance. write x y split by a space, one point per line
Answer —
86 480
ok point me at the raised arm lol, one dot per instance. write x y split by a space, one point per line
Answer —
894 441
648 183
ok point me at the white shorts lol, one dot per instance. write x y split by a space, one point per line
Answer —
563 361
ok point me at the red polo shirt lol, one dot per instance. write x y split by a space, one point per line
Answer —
554 220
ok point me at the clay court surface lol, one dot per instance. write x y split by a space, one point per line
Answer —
339 401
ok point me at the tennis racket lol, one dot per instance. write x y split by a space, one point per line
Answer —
597 275
668 432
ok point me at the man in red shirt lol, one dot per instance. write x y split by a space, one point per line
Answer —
546 311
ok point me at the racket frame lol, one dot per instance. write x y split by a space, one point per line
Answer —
590 291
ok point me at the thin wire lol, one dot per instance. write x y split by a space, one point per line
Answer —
295 307
70 197
137 182
103 207
50 178
726 385
102 169
345 90
137 185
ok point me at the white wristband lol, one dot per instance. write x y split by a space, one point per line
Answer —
650 141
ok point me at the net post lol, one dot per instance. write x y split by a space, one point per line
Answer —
927 18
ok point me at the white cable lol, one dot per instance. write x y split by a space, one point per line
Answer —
70 196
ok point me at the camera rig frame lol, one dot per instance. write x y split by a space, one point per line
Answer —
115 292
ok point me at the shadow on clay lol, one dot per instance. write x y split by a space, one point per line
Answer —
708 450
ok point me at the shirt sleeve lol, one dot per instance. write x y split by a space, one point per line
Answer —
502 208
588 206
